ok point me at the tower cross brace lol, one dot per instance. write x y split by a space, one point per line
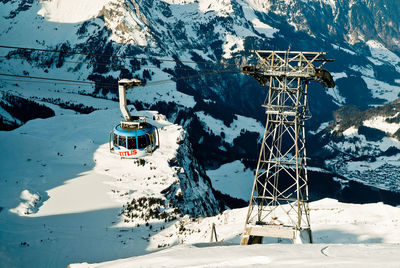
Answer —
279 200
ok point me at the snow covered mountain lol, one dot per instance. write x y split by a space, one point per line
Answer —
364 145
60 187
173 45
64 198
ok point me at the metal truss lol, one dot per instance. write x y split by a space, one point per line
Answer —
279 200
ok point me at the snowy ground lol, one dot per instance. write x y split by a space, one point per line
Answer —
273 255
345 235
239 124
233 179
366 171
62 192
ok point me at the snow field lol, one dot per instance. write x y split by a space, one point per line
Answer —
241 123
344 49
64 204
263 28
382 90
71 11
382 54
233 179
350 235
280 255
379 122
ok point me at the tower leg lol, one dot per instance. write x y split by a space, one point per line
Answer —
303 237
255 240
251 240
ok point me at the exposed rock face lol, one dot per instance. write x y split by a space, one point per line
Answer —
183 188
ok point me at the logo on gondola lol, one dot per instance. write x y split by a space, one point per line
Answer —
128 153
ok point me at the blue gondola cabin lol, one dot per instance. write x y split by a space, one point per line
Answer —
134 140
134 137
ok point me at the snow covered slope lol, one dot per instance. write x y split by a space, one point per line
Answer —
365 145
65 199
62 191
71 11
169 45
189 33
321 255
345 235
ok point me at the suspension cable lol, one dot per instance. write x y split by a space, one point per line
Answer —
111 55
103 84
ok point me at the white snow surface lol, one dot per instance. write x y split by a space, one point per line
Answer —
264 28
281 255
381 54
71 11
364 70
345 235
379 122
28 204
351 131
335 94
232 44
343 49
241 123
60 171
320 128
221 7
382 90
362 146
178 2
233 179
337 76
62 191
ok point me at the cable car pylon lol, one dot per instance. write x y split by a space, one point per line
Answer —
279 203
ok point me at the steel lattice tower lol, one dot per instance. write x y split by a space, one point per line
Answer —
279 200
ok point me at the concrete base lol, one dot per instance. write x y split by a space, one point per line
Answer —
254 234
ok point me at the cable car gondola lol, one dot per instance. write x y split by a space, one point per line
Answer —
133 137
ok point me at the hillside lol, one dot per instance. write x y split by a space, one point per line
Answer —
345 235
61 190
64 199
326 255
364 145
74 202
189 53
